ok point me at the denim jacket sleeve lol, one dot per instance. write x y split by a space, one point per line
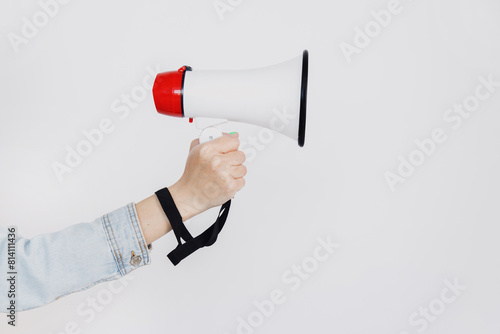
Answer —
50 266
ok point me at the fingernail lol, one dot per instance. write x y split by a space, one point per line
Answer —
233 133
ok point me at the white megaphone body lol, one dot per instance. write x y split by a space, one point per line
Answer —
274 97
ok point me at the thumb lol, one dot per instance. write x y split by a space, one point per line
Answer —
194 143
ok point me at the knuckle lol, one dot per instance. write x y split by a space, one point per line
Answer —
244 168
215 162
223 182
228 185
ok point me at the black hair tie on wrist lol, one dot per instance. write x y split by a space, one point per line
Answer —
190 244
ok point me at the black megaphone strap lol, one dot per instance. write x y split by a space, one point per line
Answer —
190 245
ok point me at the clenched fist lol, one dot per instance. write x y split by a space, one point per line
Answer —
214 173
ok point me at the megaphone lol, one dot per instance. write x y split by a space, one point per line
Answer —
274 97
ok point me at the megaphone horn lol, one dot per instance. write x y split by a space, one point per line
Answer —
248 96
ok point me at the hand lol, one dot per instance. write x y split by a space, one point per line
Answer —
214 173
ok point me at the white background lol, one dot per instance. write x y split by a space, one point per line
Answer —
396 248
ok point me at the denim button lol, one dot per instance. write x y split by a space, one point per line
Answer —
135 260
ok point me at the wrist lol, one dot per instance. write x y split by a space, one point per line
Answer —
154 223
185 200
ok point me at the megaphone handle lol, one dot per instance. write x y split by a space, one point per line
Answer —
209 134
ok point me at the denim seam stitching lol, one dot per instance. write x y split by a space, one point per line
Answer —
138 234
114 244
139 231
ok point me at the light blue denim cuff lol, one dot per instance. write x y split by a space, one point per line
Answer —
125 239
